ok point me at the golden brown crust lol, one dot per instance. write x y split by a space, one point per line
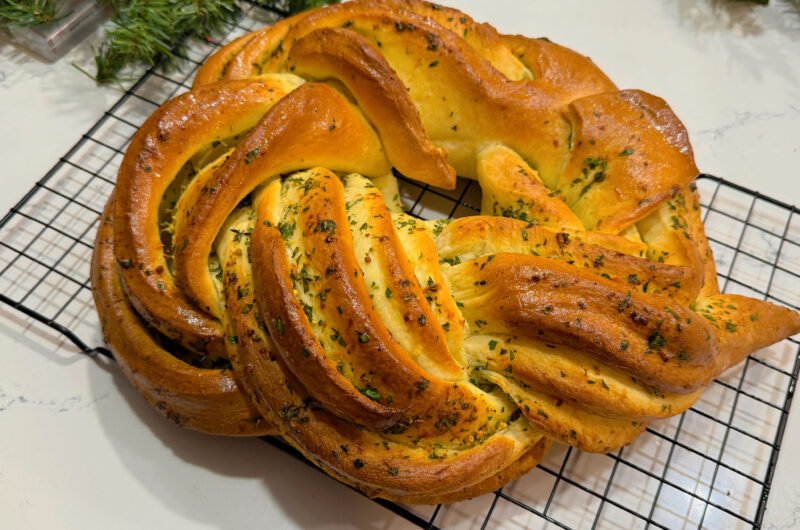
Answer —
418 361
667 346
215 66
746 324
155 156
206 400
630 153
511 188
610 257
290 329
344 55
570 74
483 38
674 235
387 373
431 60
520 466
313 114
373 461
267 46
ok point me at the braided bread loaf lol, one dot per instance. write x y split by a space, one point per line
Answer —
255 272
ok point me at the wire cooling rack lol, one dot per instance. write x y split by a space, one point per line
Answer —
709 467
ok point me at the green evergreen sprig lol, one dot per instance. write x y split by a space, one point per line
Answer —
28 13
149 31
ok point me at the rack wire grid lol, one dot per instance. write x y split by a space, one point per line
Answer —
711 466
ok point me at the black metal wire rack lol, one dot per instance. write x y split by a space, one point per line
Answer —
711 466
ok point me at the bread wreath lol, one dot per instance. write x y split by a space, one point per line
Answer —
255 220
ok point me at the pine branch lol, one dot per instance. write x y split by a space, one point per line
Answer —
29 13
148 31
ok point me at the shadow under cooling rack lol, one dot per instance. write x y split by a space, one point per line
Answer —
711 466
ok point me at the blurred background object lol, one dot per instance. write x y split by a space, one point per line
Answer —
50 29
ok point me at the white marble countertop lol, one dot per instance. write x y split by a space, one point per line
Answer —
81 449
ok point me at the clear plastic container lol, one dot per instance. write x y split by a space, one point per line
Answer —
54 40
